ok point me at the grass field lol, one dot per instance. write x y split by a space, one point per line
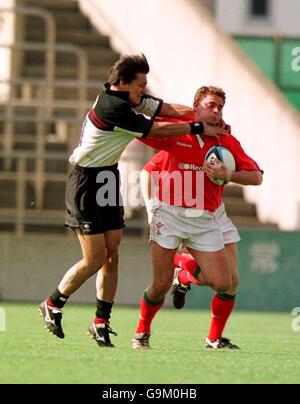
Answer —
270 349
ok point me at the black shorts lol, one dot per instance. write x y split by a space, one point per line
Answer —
93 200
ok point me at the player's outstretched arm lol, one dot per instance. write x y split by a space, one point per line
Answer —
177 111
171 129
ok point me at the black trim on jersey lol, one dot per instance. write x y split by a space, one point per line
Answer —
97 122
158 109
113 110
122 94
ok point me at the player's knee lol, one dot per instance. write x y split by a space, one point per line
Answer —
235 282
112 254
162 286
94 263
222 286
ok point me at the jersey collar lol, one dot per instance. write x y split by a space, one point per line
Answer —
122 94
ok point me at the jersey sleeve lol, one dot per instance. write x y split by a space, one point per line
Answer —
243 161
149 106
162 143
158 143
123 116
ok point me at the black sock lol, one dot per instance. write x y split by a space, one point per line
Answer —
58 299
103 309
226 297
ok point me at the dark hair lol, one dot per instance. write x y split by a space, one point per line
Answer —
127 68
211 90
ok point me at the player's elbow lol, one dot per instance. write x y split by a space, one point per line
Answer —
257 178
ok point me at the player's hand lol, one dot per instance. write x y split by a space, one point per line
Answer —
214 130
217 171
225 127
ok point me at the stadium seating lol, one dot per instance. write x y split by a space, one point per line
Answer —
59 65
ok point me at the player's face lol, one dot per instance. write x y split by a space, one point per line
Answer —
214 104
136 89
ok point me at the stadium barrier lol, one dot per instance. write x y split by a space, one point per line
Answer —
269 276
274 55
32 266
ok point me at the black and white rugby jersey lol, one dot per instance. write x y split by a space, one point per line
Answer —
111 125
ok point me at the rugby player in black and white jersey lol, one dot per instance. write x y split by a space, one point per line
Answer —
121 113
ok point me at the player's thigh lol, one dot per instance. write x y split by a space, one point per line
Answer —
163 264
233 261
214 268
112 241
93 249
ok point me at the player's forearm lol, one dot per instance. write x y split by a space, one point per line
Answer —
177 111
247 177
166 129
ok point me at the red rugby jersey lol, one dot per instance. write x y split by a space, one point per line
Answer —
186 154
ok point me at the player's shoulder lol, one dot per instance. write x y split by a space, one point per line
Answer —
113 99
112 107
229 140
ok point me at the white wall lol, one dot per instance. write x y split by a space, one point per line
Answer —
186 50
233 17
7 21
41 276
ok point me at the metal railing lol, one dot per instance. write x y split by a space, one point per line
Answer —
42 106
44 101
37 105
20 214
23 212
50 24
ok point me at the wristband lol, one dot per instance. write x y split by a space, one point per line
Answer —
197 128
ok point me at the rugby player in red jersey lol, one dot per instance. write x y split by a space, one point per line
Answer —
176 222
185 265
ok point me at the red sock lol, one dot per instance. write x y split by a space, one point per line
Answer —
148 310
185 262
185 278
190 273
100 320
49 303
221 308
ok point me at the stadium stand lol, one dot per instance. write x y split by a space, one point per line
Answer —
59 63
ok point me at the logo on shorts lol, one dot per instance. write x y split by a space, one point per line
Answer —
86 226
159 226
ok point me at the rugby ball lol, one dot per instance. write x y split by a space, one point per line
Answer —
222 154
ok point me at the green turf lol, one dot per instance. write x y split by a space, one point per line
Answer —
270 349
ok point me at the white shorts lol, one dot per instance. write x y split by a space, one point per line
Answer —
172 226
230 232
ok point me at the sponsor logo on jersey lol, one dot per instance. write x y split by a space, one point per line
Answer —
184 144
190 167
